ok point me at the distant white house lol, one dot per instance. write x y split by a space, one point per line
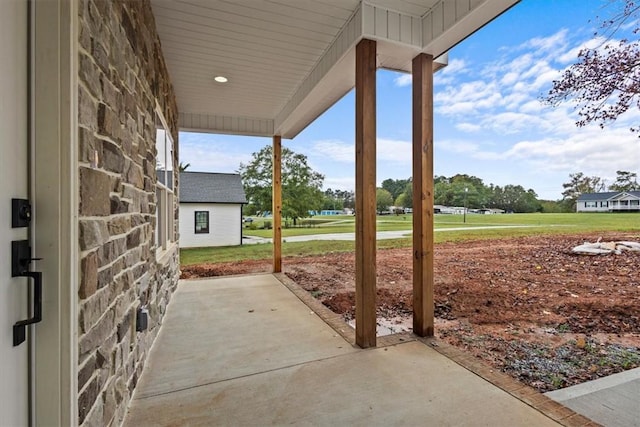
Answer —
490 211
210 209
612 201
452 210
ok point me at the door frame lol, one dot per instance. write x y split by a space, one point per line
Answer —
54 192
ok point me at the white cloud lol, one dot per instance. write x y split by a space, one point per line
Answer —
446 75
545 78
456 65
340 183
467 98
510 78
571 55
458 146
594 152
387 150
457 108
449 74
532 107
510 122
515 99
210 156
393 150
550 43
468 127
403 80
503 96
335 150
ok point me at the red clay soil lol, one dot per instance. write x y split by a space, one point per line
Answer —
528 306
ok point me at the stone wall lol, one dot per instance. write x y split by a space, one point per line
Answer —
121 77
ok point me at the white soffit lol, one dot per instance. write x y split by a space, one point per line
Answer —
287 61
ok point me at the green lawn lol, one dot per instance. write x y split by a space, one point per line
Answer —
345 224
544 224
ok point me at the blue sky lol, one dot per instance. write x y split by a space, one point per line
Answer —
488 119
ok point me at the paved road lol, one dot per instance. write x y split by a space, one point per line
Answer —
380 235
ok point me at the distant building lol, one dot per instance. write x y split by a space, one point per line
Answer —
330 212
612 201
210 209
487 211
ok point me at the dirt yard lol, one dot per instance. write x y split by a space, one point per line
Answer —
526 306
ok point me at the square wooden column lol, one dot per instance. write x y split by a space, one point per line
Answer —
423 303
366 193
276 199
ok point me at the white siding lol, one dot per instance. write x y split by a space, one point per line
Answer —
225 221
593 206
226 125
380 23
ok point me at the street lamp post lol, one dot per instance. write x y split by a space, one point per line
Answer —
464 213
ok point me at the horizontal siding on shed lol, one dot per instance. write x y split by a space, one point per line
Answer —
225 223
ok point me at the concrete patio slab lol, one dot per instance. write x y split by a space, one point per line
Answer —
611 401
246 351
223 328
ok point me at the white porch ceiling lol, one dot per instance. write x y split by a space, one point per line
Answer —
287 61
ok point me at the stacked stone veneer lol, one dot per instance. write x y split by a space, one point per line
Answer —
121 77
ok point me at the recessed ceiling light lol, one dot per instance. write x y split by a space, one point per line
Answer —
221 79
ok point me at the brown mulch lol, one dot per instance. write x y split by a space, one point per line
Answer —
527 305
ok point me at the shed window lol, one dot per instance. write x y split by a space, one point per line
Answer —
202 222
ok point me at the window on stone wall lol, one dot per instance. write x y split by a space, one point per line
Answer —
165 209
202 222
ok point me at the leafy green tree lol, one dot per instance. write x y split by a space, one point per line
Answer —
249 209
408 195
401 201
554 206
580 184
513 198
384 199
458 189
348 199
300 184
521 200
625 181
338 199
395 186
440 178
332 200
462 189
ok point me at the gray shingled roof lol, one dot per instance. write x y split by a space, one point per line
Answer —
591 197
204 187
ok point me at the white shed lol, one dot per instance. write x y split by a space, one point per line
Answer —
210 209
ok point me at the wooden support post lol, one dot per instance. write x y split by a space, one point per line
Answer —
423 304
366 193
277 204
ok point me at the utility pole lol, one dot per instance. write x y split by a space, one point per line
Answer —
464 214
